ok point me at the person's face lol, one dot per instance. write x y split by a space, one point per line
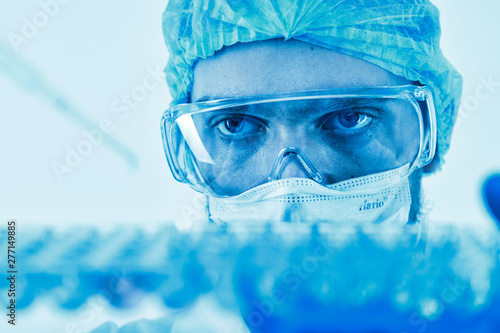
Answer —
278 66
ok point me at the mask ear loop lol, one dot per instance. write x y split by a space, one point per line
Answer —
292 152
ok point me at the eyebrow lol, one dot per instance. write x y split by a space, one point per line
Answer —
203 99
207 98
301 111
336 104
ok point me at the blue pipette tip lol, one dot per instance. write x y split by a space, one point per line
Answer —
491 195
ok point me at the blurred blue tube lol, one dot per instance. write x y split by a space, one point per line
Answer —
281 278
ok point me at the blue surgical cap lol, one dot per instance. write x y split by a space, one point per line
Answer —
401 36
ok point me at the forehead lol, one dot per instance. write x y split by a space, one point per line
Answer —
277 66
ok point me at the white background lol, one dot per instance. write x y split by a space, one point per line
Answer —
91 52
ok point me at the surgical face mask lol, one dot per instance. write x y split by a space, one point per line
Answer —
383 197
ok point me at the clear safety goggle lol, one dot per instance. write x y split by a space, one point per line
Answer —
226 147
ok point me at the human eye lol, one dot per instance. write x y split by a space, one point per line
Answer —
238 126
347 121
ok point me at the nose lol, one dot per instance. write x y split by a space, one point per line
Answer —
292 162
293 168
